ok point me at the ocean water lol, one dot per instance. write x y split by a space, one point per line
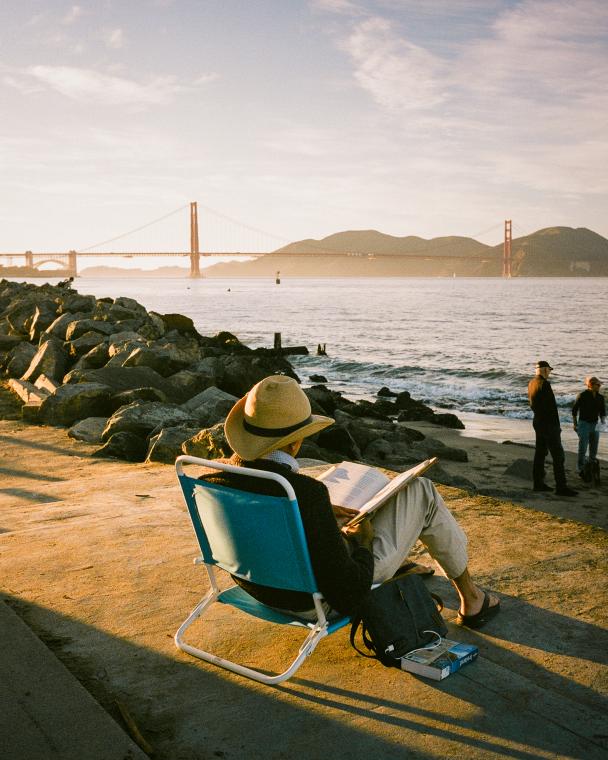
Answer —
464 344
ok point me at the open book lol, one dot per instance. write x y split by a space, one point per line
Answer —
364 488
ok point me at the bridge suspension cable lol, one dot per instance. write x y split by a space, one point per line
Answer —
135 229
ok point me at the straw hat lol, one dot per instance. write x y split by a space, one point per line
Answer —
274 413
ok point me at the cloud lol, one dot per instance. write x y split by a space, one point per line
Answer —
114 38
72 15
396 72
87 85
337 6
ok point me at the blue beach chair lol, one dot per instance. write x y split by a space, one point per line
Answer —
258 538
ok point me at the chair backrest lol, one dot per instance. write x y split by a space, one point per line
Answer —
258 538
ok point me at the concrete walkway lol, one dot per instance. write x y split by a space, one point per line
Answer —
96 559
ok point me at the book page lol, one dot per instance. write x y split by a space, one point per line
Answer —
352 485
394 485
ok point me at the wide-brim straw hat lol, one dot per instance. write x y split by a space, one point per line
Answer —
275 412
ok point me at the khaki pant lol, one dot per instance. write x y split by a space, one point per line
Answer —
417 512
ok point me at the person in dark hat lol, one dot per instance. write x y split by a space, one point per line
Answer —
548 432
588 409
265 429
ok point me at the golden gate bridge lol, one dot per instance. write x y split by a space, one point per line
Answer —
68 261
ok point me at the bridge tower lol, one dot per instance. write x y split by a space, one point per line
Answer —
506 257
29 259
72 264
195 270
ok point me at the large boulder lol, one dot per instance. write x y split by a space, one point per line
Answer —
44 315
242 371
121 378
58 327
186 384
142 417
81 326
8 342
70 403
166 446
80 346
210 406
143 356
88 430
337 438
124 445
95 358
50 360
73 301
210 443
447 419
19 359
179 322
124 398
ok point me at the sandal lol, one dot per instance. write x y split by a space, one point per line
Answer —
479 618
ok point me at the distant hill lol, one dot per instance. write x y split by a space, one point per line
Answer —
559 252
554 251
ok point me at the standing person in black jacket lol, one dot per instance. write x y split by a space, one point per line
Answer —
589 408
548 432
265 430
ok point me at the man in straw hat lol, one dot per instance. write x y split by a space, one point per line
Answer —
588 409
265 430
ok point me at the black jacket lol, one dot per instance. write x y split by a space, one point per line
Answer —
342 577
542 402
589 407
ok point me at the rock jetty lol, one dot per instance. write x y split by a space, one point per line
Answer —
147 386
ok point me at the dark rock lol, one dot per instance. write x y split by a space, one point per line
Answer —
70 403
403 399
384 392
328 401
8 342
180 323
58 327
520 468
186 384
44 315
124 398
447 419
19 359
88 430
166 446
241 372
95 358
210 406
224 340
337 439
121 378
142 417
50 360
364 408
149 357
210 443
84 344
124 445
317 379
79 327
434 448
75 302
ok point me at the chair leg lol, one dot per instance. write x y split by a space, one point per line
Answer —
308 646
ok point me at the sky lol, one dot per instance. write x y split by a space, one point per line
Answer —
292 119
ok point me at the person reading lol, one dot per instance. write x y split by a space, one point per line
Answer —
265 429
